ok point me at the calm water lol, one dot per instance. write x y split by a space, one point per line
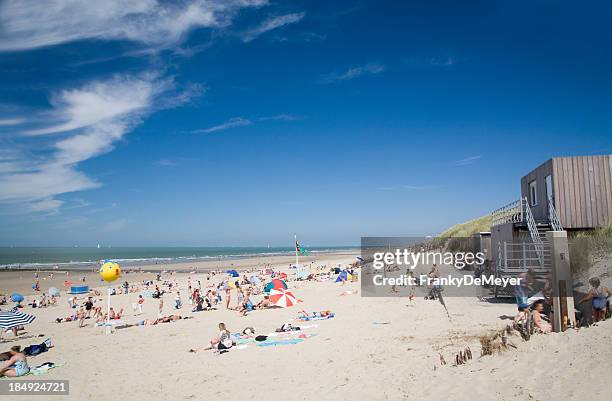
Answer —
83 256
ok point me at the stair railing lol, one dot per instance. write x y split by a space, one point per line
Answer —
533 231
553 217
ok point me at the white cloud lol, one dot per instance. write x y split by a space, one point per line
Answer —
271 24
46 205
231 123
11 121
30 24
96 103
468 160
281 117
354 72
90 119
166 163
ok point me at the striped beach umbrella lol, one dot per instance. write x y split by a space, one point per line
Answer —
9 319
282 297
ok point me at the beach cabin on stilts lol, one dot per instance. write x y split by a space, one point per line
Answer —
564 194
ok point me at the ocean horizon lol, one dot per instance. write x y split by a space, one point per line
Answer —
74 257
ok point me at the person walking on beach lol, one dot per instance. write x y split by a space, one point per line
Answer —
177 301
140 304
88 307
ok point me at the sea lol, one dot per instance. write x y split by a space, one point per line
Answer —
77 258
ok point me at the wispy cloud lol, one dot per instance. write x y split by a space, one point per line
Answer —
233 122
468 160
87 122
281 117
443 62
11 121
354 72
271 24
166 163
27 25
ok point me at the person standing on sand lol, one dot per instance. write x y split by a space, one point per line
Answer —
598 295
140 304
81 316
88 307
228 295
177 301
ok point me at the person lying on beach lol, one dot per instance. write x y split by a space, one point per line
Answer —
30 350
71 318
539 319
223 342
323 313
17 365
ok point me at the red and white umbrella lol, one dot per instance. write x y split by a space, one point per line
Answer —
282 297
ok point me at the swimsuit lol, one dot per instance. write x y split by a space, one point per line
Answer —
21 368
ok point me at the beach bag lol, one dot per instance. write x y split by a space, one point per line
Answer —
261 338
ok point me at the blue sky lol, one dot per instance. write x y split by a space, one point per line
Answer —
240 122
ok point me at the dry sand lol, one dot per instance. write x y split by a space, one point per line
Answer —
350 357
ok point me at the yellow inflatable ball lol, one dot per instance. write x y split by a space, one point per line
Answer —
110 271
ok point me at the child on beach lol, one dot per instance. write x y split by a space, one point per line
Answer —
177 301
539 320
140 304
81 316
598 295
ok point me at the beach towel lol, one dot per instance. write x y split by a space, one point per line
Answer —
44 368
279 342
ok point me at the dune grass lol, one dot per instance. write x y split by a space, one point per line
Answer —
469 227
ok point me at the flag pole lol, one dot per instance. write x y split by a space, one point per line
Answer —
296 251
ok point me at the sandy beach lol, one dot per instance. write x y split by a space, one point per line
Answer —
373 349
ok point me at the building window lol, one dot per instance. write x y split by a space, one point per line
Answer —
533 193
550 195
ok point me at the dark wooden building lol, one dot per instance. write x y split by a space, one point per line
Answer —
579 188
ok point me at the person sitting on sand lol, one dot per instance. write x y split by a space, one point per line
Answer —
598 295
539 319
223 342
17 365
522 315
115 316
264 303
